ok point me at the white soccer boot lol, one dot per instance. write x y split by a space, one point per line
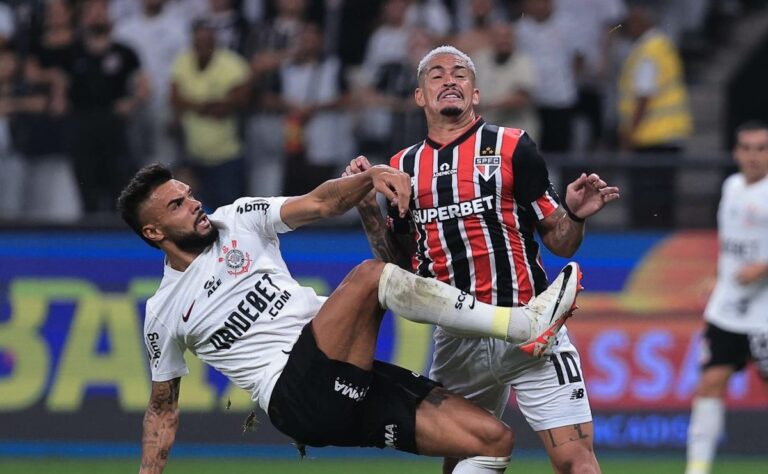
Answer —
549 310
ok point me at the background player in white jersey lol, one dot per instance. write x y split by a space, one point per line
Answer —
228 297
481 191
737 313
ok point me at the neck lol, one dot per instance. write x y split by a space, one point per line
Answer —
446 129
753 178
179 259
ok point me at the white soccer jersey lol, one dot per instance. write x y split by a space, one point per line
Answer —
236 307
743 234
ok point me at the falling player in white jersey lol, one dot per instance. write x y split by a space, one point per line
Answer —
737 313
228 298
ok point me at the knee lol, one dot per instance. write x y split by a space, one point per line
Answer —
366 275
582 462
496 438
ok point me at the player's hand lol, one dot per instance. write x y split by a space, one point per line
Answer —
588 194
394 185
752 273
357 166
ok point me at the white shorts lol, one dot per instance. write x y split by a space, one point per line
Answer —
550 391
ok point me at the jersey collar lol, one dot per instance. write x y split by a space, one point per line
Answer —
470 131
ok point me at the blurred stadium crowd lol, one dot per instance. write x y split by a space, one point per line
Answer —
268 97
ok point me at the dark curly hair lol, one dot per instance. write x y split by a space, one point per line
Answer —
138 190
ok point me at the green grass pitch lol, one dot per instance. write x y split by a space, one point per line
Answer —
367 466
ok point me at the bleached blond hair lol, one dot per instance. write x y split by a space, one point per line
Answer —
444 49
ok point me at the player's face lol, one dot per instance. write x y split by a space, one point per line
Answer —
447 87
751 154
173 214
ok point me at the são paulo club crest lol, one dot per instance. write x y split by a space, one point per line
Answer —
488 163
237 261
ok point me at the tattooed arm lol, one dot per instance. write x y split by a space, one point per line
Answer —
561 234
160 423
385 244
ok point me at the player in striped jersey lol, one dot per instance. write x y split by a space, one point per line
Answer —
480 191
736 329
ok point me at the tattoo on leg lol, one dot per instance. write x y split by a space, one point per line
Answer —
551 438
578 435
436 396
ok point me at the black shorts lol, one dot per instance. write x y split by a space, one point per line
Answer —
723 347
320 402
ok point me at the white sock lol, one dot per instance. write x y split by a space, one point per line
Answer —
425 300
707 421
481 465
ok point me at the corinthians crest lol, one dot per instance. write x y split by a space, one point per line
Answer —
237 261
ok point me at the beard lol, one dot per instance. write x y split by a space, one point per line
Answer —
194 242
450 111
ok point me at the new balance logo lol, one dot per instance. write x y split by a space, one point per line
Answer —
577 393
355 393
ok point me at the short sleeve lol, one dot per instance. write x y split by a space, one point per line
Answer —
166 355
532 187
258 214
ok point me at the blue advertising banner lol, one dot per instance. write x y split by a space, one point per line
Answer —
73 364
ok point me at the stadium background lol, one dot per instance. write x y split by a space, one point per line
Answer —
74 380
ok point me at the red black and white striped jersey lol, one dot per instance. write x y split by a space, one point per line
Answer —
475 205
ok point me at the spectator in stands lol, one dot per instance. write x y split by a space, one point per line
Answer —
105 86
313 92
14 101
209 86
157 37
477 35
654 117
548 38
230 27
269 45
389 41
430 15
42 136
390 119
464 19
507 79
593 21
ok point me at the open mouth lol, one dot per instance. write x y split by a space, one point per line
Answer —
203 221
450 94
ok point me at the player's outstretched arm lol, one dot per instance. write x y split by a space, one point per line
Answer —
160 423
336 196
385 244
563 230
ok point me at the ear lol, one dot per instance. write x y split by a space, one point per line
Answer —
419 96
153 233
475 97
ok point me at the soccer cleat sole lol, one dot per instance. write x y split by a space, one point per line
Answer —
539 346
